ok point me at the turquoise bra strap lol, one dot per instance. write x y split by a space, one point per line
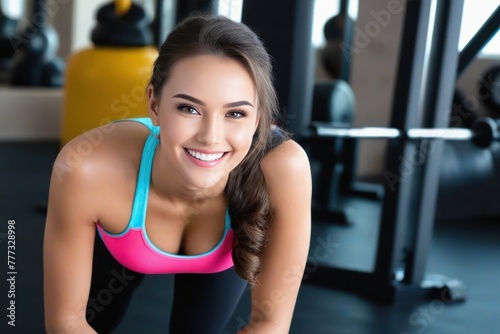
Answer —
146 121
138 216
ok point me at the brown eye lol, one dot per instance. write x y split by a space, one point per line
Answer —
188 109
236 114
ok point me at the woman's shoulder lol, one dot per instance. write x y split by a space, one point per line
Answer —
96 168
287 174
285 163
288 153
108 149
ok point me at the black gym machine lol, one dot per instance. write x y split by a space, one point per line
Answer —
428 67
419 122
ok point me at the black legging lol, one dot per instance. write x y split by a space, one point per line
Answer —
202 304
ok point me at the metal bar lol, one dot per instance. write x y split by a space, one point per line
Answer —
345 65
344 7
350 150
438 98
365 133
374 133
349 156
441 133
391 133
391 245
301 72
157 26
288 41
479 40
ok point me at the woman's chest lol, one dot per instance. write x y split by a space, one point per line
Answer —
178 229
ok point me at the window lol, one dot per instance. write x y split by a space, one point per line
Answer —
323 11
231 9
12 9
474 15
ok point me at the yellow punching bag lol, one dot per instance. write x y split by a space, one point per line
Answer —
108 81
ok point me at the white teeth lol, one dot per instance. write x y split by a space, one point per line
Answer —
205 157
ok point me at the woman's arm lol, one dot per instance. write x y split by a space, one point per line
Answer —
68 244
288 178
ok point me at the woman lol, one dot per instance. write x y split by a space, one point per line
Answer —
207 188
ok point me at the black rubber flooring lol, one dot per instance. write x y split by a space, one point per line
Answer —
468 250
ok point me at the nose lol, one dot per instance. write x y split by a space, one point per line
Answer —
210 131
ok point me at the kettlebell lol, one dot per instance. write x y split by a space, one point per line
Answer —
36 62
108 80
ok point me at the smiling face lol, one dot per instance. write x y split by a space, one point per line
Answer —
208 115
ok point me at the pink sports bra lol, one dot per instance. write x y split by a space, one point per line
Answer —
132 247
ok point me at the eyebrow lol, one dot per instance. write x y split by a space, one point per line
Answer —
227 105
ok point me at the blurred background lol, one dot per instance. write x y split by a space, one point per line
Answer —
412 245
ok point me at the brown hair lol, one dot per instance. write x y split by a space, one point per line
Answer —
248 202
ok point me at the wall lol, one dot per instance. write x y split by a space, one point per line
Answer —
373 74
29 114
